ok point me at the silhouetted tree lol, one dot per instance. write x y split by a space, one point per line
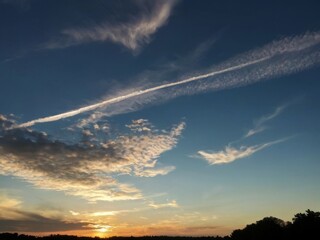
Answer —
267 228
305 226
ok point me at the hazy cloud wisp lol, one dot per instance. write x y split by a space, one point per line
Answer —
259 124
132 34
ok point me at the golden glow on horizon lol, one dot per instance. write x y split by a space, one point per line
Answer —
102 228
145 230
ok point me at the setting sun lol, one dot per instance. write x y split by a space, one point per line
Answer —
103 229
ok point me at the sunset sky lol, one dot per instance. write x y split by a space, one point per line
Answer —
157 117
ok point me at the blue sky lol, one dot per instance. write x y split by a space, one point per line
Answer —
157 117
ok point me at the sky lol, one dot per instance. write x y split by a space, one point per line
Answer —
157 117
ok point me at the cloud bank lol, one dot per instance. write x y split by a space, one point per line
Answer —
132 34
278 58
32 222
89 168
14 219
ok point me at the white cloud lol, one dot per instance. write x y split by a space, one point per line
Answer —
73 213
152 172
106 213
132 34
172 204
230 154
255 130
85 170
140 125
93 119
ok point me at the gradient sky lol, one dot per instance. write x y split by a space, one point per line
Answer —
211 120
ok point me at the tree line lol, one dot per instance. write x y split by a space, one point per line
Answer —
304 226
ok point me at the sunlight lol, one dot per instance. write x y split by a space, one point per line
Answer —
102 230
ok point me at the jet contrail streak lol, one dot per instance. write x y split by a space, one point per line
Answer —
134 94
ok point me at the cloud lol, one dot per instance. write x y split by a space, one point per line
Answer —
101 215
278 58
259 124
172 204
230 154
152 172
85 169
7 201
93 119
73 213
140 125
32 222
13 219
106 213
172 222
132 34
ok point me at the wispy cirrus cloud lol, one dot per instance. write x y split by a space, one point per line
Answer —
85 169
132 34
259 125
230 154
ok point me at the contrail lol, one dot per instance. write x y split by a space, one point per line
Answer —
299 50
134 94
